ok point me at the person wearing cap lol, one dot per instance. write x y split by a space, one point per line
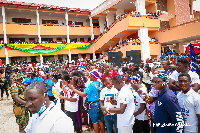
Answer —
17 93
93 98
168 117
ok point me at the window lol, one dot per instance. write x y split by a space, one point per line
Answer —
161 5
81 39
13 40
47 39
73 39
59 39
31 40
49 21
95 24
164 25
21 20
79 23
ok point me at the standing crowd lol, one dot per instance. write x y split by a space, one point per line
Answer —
158 97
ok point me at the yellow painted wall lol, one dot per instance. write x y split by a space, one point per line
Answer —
142 21
151 8
53 30
176 33
82 31
171 10
17 29
96 31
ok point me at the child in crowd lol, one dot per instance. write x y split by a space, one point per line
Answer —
107 95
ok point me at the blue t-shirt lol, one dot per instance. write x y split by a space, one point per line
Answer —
30 80
49 82
92 91
40 79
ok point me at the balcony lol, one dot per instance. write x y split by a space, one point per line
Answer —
80 30
53 29
155 48
21 29
124 26
181 33
96 30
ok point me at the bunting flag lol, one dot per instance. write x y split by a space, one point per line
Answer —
84 47
196 47
34 51
1 46
192 56
46 48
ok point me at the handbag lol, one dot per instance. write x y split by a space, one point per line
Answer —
86 105
18 111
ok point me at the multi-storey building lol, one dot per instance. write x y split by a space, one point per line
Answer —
114 24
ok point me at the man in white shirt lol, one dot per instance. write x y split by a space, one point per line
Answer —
106 96
189 102
125 106
182 67
47 118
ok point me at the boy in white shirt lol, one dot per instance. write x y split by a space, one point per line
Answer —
189 102
107 94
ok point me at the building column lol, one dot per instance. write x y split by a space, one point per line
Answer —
55 57
143 36
140 7
88 56
38 24
94 56
91 24
4 33
119 12
38 58
70 56
66 19
109 19
102 22
178 48
28 59
41 60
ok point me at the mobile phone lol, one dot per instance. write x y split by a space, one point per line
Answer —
111 98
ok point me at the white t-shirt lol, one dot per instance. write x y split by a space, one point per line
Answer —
106 94
52 120
190 106
194 76
57 89
138 100
125 96
86 85
71 106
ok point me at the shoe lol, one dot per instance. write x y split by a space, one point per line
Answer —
2 98
8 98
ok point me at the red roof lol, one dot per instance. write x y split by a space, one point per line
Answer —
34 5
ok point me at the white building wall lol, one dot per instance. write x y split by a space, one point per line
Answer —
10 16
60 19
85 23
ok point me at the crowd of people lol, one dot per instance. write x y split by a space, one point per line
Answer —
156 97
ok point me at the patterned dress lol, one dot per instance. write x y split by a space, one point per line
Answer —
22 120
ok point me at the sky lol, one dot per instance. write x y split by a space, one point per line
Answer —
83 4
